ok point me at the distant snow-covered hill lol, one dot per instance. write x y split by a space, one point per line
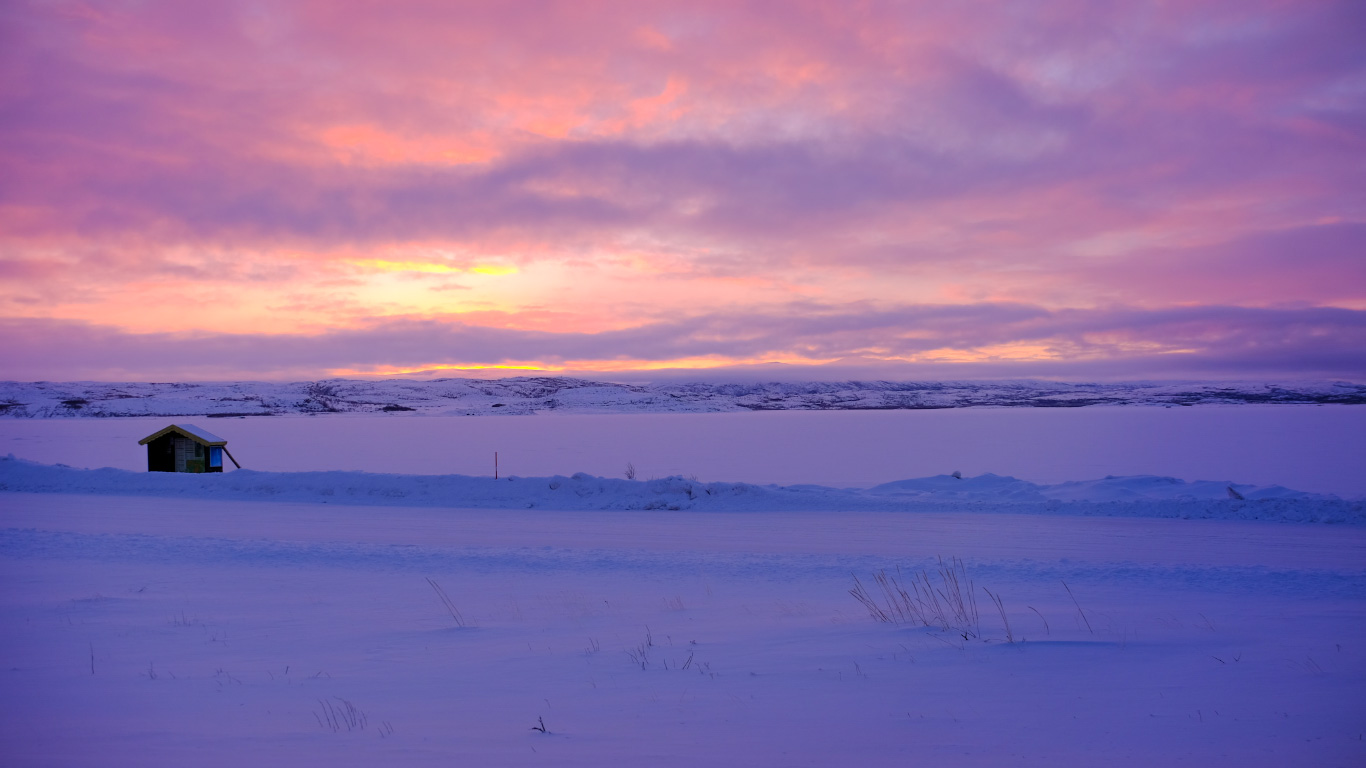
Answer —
464 397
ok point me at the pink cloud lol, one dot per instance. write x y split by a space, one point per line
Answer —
1069 158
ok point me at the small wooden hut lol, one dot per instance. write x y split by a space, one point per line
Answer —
185 448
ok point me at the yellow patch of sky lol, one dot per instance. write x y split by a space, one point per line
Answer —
1014 352
390 370
691 363
575 366
610 289
383 265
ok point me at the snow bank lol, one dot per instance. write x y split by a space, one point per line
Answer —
991 487
1112 496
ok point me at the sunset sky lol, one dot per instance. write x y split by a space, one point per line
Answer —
288 190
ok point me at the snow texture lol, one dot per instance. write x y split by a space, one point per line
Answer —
157 632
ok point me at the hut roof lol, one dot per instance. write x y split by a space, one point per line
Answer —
197 434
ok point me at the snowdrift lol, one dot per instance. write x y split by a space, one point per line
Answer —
1140 496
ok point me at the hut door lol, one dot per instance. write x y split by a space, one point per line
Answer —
184 451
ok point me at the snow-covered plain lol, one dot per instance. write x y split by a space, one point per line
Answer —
284 615
183 631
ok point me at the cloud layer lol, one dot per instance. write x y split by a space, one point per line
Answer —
1018 340
383 187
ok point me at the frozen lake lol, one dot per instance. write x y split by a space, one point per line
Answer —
1310 448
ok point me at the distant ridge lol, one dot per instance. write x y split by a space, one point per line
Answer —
471 397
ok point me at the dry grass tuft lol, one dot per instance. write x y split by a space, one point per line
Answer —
446 601
944 600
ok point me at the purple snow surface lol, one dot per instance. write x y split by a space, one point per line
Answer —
288 616
168 631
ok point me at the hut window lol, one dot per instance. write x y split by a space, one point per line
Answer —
215 457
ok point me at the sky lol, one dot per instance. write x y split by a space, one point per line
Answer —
296 190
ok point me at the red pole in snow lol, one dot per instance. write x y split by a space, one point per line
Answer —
495 465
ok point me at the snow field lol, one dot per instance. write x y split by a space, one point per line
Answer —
223 632
284 616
